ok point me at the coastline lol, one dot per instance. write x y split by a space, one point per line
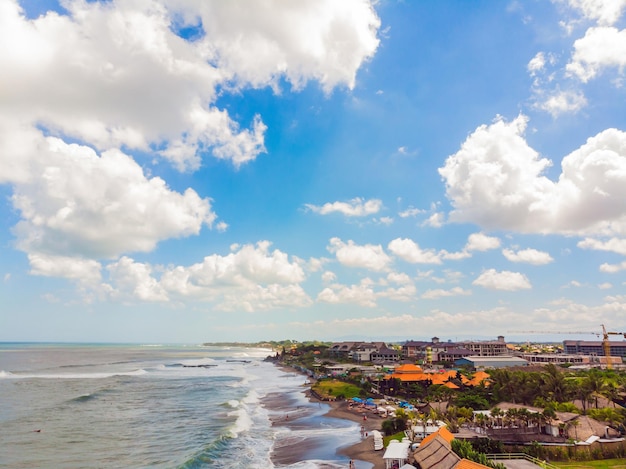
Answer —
287 413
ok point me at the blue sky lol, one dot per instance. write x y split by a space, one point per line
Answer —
189 171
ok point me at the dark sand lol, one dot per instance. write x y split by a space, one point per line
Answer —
285 412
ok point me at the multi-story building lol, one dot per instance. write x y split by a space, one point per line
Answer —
436 350
594 347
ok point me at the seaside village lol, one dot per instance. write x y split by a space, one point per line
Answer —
470 404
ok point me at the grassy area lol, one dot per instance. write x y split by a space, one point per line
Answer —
398 436
602 464
336 388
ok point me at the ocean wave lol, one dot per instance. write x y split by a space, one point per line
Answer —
243 422
4 374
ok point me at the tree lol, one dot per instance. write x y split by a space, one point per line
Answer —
595 383
554 384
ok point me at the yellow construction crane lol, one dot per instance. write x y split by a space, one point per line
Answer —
606 344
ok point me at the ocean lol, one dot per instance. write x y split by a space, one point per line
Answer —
158 406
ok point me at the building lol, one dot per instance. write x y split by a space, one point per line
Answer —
386 355
483 363
438 351
594 347
342 349
557 358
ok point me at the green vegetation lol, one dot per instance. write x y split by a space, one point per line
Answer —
602 464
396 436
465 450
335 389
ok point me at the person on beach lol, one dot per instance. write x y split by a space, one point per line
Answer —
351 466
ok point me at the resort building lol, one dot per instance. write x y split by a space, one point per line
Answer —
438 351
361 352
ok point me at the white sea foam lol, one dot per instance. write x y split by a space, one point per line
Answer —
243 422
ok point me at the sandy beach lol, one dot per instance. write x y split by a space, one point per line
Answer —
287 413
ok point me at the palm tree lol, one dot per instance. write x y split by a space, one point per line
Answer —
554 383
594 381
497 413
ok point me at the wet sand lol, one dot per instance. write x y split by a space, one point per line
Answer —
284 411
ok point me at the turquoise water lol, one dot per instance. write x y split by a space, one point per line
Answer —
113 406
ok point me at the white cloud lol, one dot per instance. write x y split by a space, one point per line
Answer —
328 277
481 242
600 48
616 245
529 256
605 286
440 293
495 180
362 295
410 212
368 256
251 278
537 63
409 251
436 220
504 280
613 268
85 271
561 102
604 12
135 280
94 73
354 208
74 202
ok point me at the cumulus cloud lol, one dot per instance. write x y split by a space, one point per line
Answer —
528 256
410 212
250 278
328 277
94 73
135 280
616 245
361 294
440 293
495 180
354 208
560 102
368 256
436 220
85 271
82 204
409 251
481 242
537 63
604 12
505 280
613 268
600 48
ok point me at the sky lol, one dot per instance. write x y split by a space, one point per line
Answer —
185 171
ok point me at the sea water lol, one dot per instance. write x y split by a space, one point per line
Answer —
135 406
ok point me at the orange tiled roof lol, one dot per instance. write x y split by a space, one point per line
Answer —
408 368
443 432
451 385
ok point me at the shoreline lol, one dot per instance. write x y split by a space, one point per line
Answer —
361 451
